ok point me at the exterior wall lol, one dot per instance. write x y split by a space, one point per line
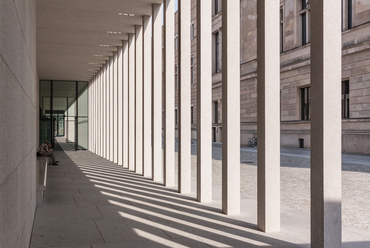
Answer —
356 69
361 12
295 74
18 122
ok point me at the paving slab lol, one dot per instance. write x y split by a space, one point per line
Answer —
153 241
91 202
115 230
65 233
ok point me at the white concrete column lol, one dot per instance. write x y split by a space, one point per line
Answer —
101 112
111 109
90 115
204 101
108 107
231 106
105 115
91 118
96 100
91 109
93 126
147 97
157 165
326 123
115 107
120 106
125 103
268 114
184 98
98 113
131 101
169 96
139 99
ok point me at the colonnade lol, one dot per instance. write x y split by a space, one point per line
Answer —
125 114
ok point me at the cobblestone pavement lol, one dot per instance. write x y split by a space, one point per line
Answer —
295 184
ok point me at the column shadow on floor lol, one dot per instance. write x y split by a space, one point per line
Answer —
91 201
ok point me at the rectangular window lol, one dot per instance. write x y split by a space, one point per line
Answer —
176 77
345 99
304 31
215 3
281 30
347 9
176 42
192 115
192 30
305 22
192 70
349 18
217 52
304 4
216 112
175 117
305 103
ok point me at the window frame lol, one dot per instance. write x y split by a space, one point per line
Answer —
176 117
192 30
305 22
305 103
176 42
217 51
176 76
345 103
192 114
215 109
282 29
347 14
192 75
216 8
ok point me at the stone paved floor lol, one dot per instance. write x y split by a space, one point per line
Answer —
295 182
93 203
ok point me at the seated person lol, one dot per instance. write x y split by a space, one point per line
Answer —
46 151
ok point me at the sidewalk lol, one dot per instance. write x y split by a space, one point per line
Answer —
91 202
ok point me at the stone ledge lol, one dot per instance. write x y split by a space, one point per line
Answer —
41 172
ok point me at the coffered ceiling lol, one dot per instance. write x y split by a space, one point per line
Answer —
76 37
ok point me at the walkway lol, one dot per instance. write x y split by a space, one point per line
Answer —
93 203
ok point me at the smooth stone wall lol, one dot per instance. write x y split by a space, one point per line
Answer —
18 122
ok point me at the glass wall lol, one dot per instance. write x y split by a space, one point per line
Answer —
64 112
45 110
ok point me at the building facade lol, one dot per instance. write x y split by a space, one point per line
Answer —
295 64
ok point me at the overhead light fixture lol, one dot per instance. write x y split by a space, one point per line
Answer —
125 14
93 63
97 55
113 32
104 45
